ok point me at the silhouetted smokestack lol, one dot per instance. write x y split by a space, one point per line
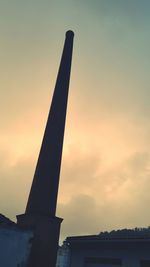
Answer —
43 195
41 206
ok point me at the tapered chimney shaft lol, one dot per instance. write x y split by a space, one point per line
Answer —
43 195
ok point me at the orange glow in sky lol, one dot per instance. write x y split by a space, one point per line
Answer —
105 176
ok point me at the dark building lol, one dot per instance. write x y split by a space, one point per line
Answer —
126 248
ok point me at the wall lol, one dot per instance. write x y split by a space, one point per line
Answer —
15 246
63 257
130 256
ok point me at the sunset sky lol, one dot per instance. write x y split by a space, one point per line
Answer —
105 174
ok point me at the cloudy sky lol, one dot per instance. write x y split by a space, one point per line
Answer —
105 176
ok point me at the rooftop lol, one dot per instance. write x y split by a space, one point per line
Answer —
137 234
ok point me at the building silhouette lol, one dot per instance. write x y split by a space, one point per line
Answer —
126 248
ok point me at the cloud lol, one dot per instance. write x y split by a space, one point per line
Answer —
118 198
105 170
99 190
15 183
